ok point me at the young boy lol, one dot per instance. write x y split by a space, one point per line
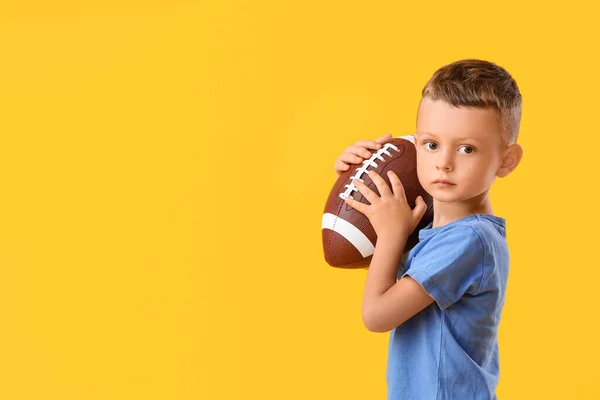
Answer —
443 304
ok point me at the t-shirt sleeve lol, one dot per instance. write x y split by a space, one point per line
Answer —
450 265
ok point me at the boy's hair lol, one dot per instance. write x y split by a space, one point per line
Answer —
479 84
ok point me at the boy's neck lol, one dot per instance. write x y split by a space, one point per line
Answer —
445 213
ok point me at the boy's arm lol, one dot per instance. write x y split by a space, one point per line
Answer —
388 302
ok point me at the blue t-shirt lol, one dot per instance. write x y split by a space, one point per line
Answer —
449 350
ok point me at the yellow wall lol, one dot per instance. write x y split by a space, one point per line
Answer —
164 166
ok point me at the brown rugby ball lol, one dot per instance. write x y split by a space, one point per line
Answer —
348 237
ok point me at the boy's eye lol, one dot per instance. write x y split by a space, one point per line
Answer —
434 146
469 149
432 143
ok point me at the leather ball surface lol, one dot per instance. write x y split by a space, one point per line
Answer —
348 236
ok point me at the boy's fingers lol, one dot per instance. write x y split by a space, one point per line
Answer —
361 146
380 183
340 166
365 144
420 208
397 186
357 205
359 150
352 158
384 138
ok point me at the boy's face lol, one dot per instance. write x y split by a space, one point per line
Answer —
463 146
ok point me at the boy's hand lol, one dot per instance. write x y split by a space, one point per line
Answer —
389 214
356 153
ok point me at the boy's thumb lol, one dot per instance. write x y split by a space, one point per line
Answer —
420 207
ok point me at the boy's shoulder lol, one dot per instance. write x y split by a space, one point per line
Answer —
458 258
476 234
467 229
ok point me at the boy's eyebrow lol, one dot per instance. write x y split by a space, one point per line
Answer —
462 139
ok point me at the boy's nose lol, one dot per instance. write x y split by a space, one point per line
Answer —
444 162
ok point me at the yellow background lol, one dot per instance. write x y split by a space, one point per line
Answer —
164 167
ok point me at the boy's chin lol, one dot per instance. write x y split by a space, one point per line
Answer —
444 198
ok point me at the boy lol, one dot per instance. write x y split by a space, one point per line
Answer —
443 305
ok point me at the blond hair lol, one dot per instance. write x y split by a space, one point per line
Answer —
479 84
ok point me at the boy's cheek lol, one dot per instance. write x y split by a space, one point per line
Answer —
421 171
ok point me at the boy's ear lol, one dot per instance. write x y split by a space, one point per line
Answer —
512 158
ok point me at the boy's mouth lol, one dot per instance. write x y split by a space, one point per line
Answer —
443 182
